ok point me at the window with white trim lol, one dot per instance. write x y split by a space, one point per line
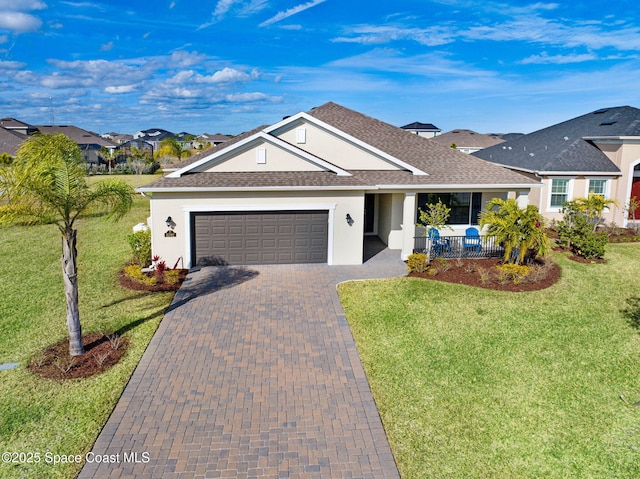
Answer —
598 187
559 192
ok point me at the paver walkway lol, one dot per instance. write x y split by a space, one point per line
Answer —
253 373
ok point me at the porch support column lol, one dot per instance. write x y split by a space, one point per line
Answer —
408 224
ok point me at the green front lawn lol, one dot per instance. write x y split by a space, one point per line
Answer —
41 415
476 383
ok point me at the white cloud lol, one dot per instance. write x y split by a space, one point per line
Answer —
246 97
290 12
545 58
377 34
253 7
19 22
229 75
183 59
22 5
223 6
120 89
105 47
10 65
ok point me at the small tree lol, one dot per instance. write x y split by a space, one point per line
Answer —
46 183
435 216
520 230
578 228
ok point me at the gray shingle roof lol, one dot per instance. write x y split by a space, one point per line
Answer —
566 146
10 141
80 136
443 165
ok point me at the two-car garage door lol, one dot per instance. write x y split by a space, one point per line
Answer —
264 237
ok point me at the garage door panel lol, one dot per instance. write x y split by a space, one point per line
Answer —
259 237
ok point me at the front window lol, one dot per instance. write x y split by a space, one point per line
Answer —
559 192
465 207
598 187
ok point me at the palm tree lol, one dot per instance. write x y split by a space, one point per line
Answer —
46 184
518 229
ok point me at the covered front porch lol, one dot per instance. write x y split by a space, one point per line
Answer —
393 216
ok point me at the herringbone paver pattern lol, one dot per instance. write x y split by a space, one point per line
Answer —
253 373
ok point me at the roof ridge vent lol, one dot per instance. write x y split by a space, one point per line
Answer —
600 111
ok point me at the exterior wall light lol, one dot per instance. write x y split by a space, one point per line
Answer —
171 225
349 219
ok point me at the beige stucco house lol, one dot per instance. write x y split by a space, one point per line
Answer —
311 187
594 153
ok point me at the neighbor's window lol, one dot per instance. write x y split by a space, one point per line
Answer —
465 207
598 187
559 192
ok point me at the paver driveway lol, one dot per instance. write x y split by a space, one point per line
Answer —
253 372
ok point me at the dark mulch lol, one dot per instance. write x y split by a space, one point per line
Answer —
54 361
623 235
467 271
130 283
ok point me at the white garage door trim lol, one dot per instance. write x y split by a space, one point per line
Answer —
330 207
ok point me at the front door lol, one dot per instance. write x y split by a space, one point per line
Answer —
369 213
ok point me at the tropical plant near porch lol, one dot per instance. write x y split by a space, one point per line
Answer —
46 184
519 230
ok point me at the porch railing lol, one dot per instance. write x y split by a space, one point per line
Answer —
458 247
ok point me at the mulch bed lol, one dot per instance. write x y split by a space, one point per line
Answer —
54 361
459 273
130 283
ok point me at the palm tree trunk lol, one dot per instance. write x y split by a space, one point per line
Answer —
70 276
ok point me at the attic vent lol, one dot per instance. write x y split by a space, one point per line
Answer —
261 156
532 154
607 123
566 138
599 112
301 135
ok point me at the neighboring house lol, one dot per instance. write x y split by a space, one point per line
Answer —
427 130
207 139
153 136
10 141
467 141
17 126
311 187
156 135
118 138
124 150
594 153
90 143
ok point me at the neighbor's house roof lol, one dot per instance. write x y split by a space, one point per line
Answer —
420 162
467 139
12 123
417 126
10 141
568 146
80 136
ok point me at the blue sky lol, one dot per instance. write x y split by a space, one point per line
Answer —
230 65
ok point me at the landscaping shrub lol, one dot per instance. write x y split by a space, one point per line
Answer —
591 245
134 272
417 263
513 272
578 228
519 230
140 243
